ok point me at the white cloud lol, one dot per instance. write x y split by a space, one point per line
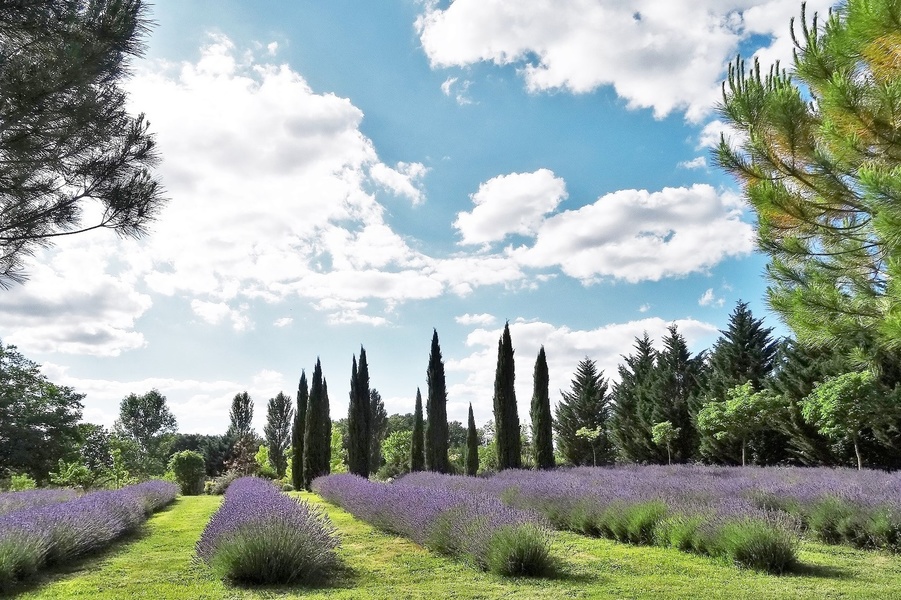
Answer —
283 322
216 312
708 298
481 319
644 308
510 204
564 347
661 54
460 95
401 180
636 235
272 48
696 163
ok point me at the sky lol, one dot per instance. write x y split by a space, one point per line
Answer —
343 174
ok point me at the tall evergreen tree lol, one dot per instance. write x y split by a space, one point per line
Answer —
297 431
378 429
506 418
436 434
585 406
542 431
631 434
674 388
417 447
240 417
318 431
279 416
358 419
472 445
744 352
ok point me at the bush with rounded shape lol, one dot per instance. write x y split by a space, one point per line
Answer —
520 550
189 469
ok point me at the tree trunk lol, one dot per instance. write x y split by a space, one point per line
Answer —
857 452
743 446
669 456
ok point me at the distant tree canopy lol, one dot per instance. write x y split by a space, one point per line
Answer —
66 140
817 156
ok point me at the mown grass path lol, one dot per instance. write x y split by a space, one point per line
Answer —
158 564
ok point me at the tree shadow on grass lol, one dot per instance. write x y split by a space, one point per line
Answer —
819 571
342 576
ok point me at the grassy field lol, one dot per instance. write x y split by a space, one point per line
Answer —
158 563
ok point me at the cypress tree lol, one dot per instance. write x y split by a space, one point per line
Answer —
417 447
436 432
630 433
543 440
378 429
357 444
585 406
472 445
297 432
318 431
506 418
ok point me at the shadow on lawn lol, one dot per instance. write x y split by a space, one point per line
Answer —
342 577
819 571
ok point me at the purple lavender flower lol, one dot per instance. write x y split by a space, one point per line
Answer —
13 501
260 535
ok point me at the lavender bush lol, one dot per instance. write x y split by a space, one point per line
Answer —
54 533
13 501
260 535
477 527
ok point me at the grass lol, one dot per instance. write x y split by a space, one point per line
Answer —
158 563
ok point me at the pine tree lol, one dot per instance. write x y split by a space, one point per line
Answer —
506 418
744 353
279 415
585 407
630 433
436 433
378 429
358 438
297 431
417 447
674 387
542 432
318 432
472 445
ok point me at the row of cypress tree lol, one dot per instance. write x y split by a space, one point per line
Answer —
311 434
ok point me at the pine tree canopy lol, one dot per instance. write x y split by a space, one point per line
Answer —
585 406
279 418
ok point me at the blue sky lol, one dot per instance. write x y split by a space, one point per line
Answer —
345 173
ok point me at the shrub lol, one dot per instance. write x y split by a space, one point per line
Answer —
758 545
19 483
219 485
520 550
826 517
189 468
260 535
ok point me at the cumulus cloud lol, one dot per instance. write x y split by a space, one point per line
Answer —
481 319
696 163
510 204
453 87
564 347
708 298
217 312
636 235
664 55
283 322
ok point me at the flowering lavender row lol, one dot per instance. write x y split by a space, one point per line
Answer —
478 527
55 533
699 509
13 501
260 535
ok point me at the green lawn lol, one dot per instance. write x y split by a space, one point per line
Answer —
158 564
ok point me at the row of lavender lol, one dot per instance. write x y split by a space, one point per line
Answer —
476 527
260 535
51 527
752 516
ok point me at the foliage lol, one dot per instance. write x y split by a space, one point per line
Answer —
338 452
215 449
95 450
378 428
817 158
38 419
67 138
147 421
506 418
243 458
396 449
318 431
297 432
436 434
263 462
189 469
630 428
743 413
842 407
279 417
261 536
19 482
542 431
664 434
219 485
73 474
240 416
585 405
358 439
